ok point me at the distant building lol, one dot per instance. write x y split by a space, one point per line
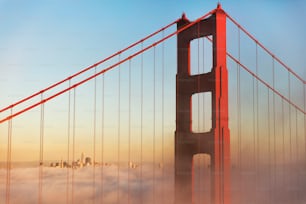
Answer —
82 159
79 163
88 161
132 165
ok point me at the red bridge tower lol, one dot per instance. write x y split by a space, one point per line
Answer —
216 142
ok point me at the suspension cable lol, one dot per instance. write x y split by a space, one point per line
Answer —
106 69
265 49
41 150
198 113
163 115
257 123
203 97
198 79
290 142
73 144
269 144
274 126
8 159
254 116
141 123
261 81
119 132
304 117
265 83
94 137
68 143
239 113
154 118
102 139
129 130
283 145
92 66
297 173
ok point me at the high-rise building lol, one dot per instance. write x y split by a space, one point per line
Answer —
82 159
87 161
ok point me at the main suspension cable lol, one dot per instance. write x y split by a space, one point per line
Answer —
90 67
265 49
102 71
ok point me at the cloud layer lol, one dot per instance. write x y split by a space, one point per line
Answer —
147 184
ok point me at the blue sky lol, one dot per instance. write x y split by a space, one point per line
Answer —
42 42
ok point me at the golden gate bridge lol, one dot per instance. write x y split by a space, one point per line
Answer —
239 135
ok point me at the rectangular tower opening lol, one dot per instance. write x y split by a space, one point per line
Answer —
201 175
201 56
201 112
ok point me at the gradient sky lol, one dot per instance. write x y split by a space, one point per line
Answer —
42 42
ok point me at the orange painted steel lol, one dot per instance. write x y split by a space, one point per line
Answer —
216 142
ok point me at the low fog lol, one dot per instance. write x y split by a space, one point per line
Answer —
136 185
150 184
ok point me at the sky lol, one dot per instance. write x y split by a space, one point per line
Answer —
42 42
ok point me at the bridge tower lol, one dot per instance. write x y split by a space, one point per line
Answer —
216 142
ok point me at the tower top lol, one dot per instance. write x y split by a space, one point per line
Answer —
219 5
184 16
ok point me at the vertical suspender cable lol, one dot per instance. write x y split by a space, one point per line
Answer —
304 118
283 145
257 125
73 144
254 137
163 115
119 132
239 115
40 177
94 138
68 144
203 97
253 110
304 96
290 142
269 146
102 139
129 130
8 159
239 104
274 126
203 122
154 116
141 123
198 111
198 65
297 172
